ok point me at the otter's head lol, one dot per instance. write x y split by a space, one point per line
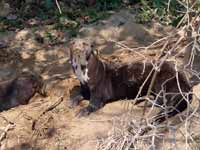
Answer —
81 51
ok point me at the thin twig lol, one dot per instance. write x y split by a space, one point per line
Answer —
57 4
4 132
153 80
47 110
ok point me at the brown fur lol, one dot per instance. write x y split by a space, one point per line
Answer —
110 81
20 90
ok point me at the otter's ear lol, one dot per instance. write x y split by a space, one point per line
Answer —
88 54
95 52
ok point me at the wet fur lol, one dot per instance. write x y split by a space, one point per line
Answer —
109 81
19 90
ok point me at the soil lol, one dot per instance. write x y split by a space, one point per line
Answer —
58 128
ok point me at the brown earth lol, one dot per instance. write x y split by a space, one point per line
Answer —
37 125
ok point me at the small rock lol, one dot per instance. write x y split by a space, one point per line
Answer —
68 23
24 35
4 9
11 17
33 22
3 44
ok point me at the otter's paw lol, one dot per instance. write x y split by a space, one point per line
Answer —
75 101
83 112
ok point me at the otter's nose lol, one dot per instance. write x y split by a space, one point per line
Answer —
83 67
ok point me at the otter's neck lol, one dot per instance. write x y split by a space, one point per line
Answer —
96 70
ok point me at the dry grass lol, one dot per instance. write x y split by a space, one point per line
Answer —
125 134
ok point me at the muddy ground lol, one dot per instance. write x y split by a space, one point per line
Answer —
37 125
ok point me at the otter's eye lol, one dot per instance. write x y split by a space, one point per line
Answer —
83 67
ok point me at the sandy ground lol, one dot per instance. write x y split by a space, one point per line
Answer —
58 128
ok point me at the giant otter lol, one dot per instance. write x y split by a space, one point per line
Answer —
104 81
19 90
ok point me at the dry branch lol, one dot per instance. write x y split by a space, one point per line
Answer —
57 4
5 131
51 107
171 47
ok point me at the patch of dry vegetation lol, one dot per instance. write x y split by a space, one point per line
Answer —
181 132
47 123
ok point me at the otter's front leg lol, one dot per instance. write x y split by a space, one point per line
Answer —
83 94
75 101
94 105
